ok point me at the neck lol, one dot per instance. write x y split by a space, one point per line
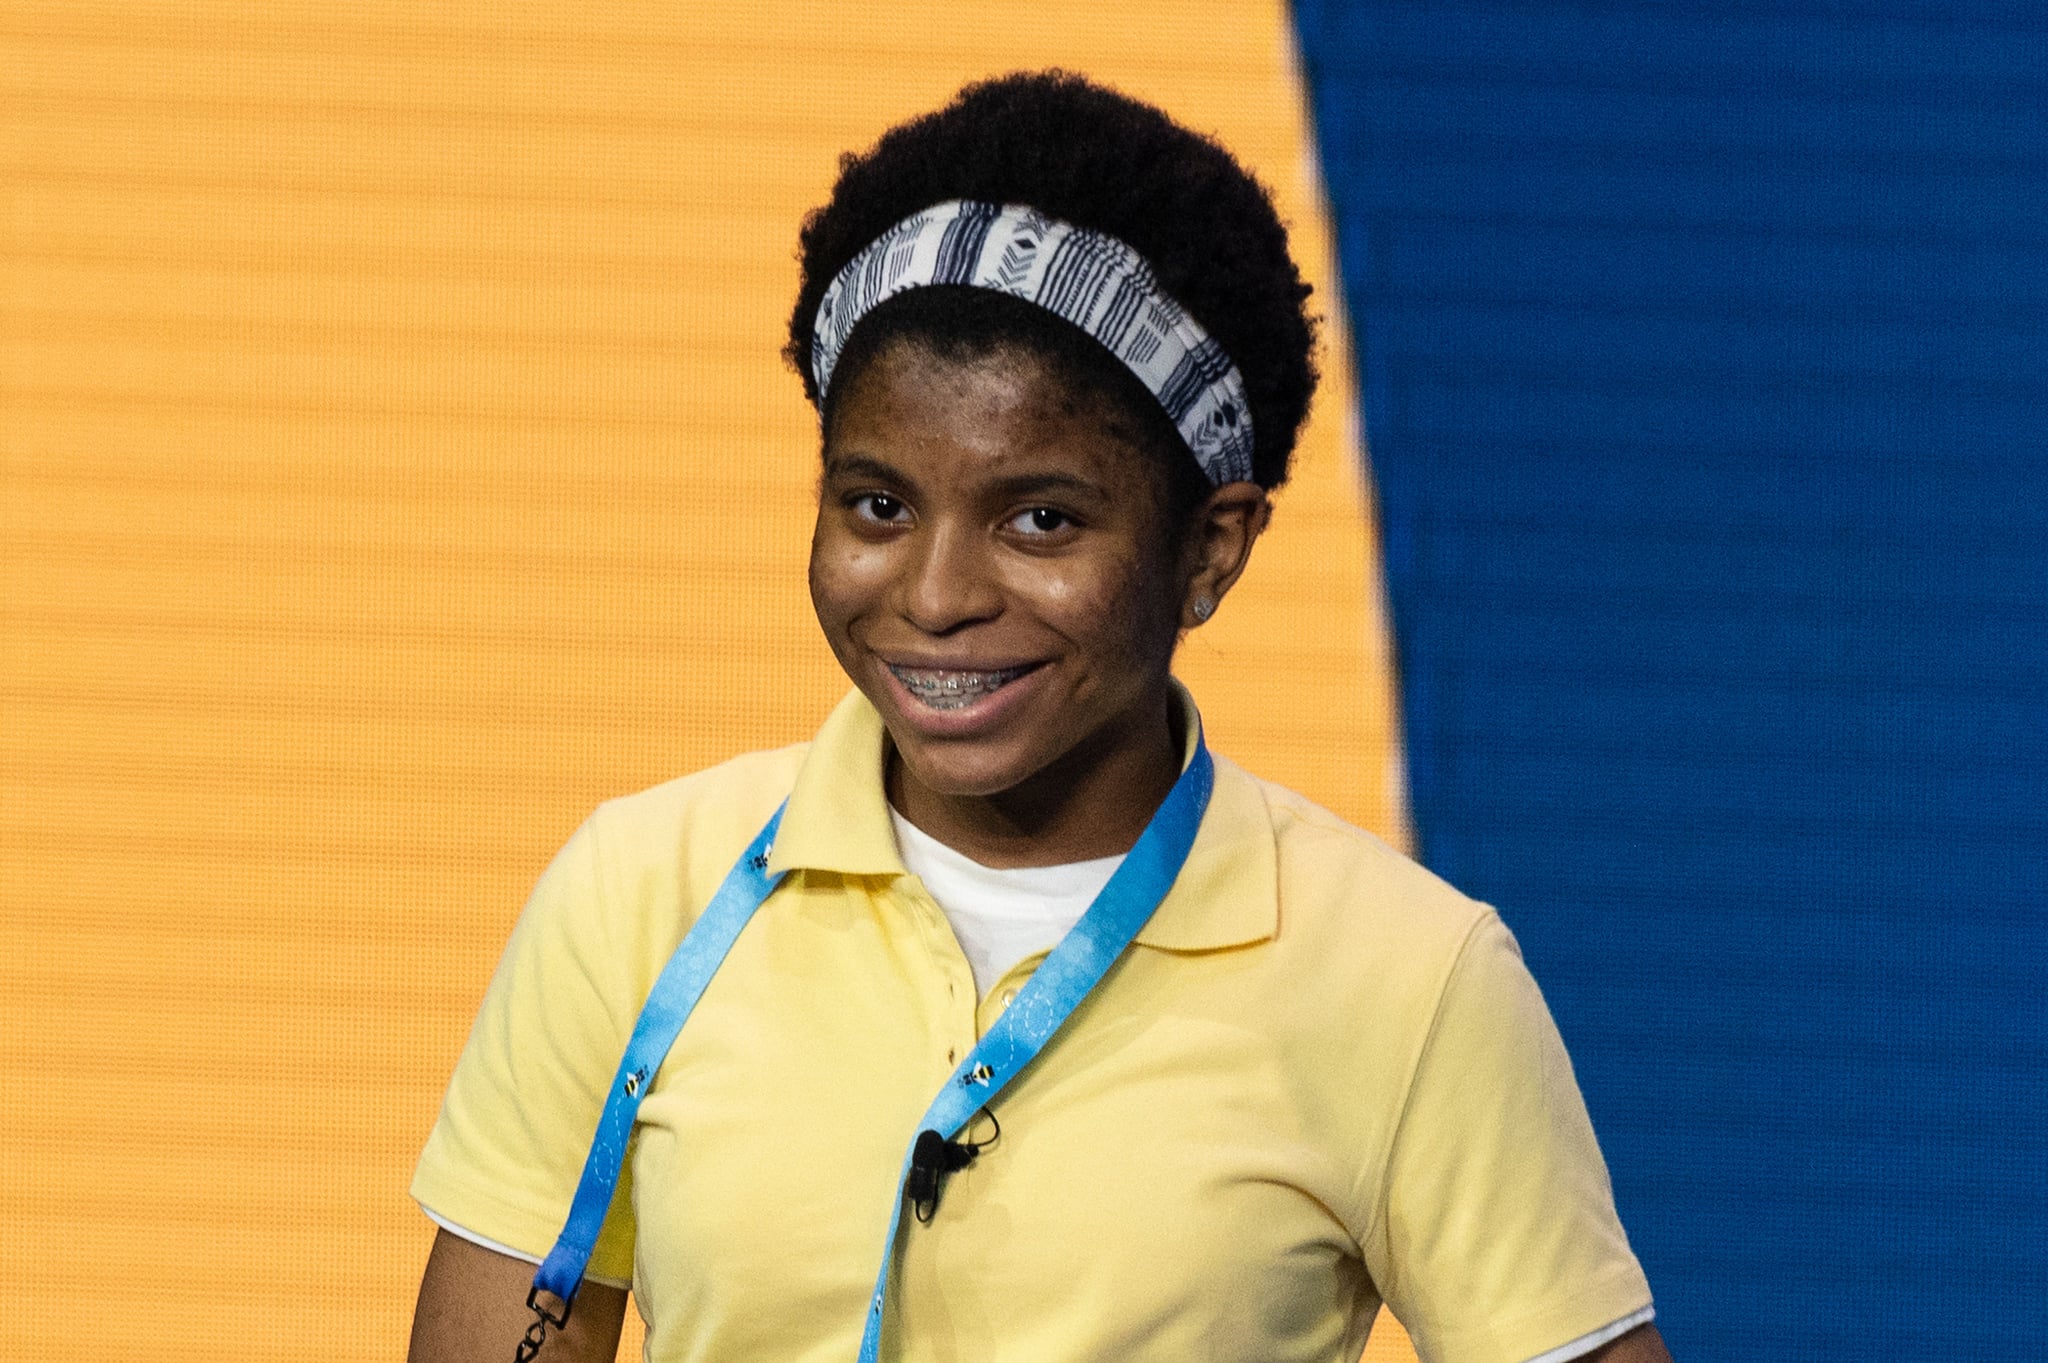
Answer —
1092 802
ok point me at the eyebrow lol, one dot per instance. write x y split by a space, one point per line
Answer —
1015 486
1024 484
865 466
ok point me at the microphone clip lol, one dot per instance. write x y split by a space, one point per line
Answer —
932 1157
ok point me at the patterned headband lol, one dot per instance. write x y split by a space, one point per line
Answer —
1094 281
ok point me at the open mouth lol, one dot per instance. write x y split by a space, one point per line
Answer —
947 689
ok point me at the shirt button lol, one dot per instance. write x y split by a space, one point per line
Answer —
1008 996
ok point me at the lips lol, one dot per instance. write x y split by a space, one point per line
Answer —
954 688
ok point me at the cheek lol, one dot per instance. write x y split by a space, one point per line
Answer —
1120 605
847 575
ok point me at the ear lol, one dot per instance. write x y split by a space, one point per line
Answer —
1227 524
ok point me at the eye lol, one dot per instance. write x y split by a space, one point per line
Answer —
1041 520
879 506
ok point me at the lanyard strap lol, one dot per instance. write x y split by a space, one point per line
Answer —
681 983
1055 990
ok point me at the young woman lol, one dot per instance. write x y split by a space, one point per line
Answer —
1032 1031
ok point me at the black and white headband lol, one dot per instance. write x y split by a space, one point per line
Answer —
1094 281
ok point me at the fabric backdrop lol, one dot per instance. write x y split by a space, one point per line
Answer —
1703 355
395 461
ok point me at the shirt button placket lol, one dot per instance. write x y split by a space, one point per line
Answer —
961 1027
964 997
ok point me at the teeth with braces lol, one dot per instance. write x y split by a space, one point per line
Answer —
954 690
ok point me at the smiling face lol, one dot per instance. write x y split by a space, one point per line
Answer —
992 567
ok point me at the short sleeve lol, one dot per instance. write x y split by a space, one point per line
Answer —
1501 1238
505 1155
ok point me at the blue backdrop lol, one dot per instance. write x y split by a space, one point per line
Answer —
1703 351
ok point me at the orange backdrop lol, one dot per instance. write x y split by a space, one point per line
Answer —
397 461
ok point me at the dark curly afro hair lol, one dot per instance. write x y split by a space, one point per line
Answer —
1077 151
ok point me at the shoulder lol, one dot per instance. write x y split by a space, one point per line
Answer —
714 812
627 884
1337 880
1367 941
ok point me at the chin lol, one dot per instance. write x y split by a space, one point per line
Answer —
970 780
953 770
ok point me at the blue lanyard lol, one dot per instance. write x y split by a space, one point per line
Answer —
676 991
1055 990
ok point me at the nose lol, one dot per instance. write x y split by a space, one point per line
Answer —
949 581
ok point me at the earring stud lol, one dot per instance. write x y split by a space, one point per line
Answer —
1203 608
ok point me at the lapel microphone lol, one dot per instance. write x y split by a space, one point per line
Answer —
932 1157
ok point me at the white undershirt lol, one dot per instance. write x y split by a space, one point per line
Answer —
1001 916
1606 1334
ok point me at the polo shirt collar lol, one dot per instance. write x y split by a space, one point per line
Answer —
838 816
1227 894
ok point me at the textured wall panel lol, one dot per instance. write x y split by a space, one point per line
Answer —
397 461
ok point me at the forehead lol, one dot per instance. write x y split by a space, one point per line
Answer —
994 413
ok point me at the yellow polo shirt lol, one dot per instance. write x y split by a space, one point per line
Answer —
1320 1078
